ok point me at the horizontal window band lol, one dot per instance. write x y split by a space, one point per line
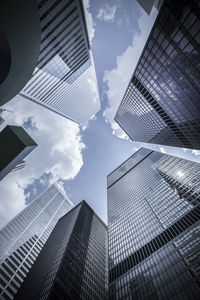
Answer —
155 244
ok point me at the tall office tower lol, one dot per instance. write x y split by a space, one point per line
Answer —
162 104
16 144
64 80
73 262
154 228
22 239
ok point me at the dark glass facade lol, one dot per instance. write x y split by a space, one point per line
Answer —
154 228
162 104
73 262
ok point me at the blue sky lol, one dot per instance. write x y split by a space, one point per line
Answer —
78 157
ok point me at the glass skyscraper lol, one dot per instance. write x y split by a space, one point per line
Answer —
22 239
64 78
73 262
154 228
162 104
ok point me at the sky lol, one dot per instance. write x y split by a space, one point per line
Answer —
79 157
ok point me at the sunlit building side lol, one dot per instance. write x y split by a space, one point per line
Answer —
22 239
64 78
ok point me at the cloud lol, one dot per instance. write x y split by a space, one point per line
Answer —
29 124
89 20
118 78
162 150
12 199
196 152
107 13
59 150
116 130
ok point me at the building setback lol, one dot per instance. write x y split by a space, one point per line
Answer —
22 239
162 104
65 69
154 228
16 144
73 262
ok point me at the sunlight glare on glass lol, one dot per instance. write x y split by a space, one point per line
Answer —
180 173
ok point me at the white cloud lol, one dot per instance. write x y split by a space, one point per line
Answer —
93 117
196 152
84 127
12 198
89 20
118 78
163 150
60 185
59 150
107 13
116 130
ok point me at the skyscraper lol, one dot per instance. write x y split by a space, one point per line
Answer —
22 239
16 144
154 228
64 78
161 104
73 262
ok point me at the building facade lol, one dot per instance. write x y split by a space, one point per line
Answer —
16 145
22 239
161 104
73 262
64 78
154 228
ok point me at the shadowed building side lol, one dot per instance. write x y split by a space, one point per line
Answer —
73 262
162 104
16 144
20 37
